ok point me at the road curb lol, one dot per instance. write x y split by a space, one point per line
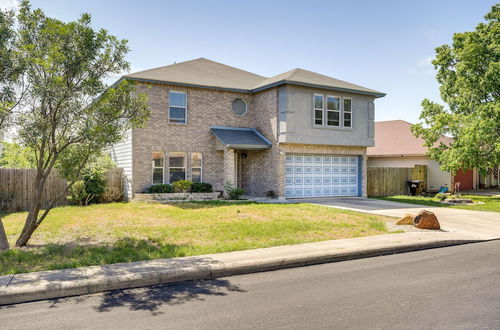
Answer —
86 280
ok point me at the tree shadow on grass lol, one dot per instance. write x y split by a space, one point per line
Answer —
75 254
152 298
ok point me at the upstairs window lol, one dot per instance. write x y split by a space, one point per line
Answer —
177 107
196 167
333 111
157 167
347 112
318 109
177 166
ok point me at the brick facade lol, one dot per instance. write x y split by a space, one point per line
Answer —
258 172
205 108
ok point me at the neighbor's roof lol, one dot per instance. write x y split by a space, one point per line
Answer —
240 137
202 72
394 138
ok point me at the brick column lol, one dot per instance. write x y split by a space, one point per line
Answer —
229 166
364 176
281 175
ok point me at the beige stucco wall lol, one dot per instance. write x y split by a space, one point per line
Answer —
435 176
296 119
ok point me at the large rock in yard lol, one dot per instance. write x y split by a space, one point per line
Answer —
406 220
426 220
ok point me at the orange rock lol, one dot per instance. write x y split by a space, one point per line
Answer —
406 220
426 220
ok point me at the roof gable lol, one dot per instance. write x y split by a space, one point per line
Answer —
308 78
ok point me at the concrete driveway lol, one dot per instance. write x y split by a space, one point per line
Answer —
481 225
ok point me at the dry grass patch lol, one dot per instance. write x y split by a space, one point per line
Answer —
121 232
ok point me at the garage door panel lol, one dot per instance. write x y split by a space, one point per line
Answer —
309 175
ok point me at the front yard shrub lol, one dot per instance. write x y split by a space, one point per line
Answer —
161 188
441 196
6 198
182 186
271 194
201 187
233 192
77 194
95 184
111 195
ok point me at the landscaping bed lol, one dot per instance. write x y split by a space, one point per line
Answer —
177 196
98 234
480 203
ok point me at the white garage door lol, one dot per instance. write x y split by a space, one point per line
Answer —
310 175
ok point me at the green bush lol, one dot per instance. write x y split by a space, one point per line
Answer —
161 188
271 194
201 187
182 186
95 184
77 194
233 192
441 196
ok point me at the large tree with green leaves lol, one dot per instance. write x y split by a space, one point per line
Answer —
68 115
10 72
469 74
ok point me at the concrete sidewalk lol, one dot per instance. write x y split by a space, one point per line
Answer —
78 281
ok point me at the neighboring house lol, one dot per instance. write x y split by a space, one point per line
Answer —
298 134
396 146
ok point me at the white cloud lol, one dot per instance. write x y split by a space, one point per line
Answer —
9 5
424 62
422 66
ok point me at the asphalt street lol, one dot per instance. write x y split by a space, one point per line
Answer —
447 288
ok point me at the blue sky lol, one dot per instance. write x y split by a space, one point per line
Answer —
384 45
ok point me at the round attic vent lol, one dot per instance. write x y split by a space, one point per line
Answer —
239 107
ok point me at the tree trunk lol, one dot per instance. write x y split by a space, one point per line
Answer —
31 220
4 243
29 227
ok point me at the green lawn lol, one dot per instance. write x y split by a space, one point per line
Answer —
491 204
122 232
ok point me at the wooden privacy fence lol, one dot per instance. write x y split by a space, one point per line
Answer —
17 188
388 181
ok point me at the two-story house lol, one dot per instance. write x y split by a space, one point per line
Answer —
297 134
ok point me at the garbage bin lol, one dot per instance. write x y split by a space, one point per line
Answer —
414 186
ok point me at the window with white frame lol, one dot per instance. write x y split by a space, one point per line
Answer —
177 110
196 167
333 111
318 109
177 166
347 112
157 167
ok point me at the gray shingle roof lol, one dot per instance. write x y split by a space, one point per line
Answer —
202 72
240 137
309 78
